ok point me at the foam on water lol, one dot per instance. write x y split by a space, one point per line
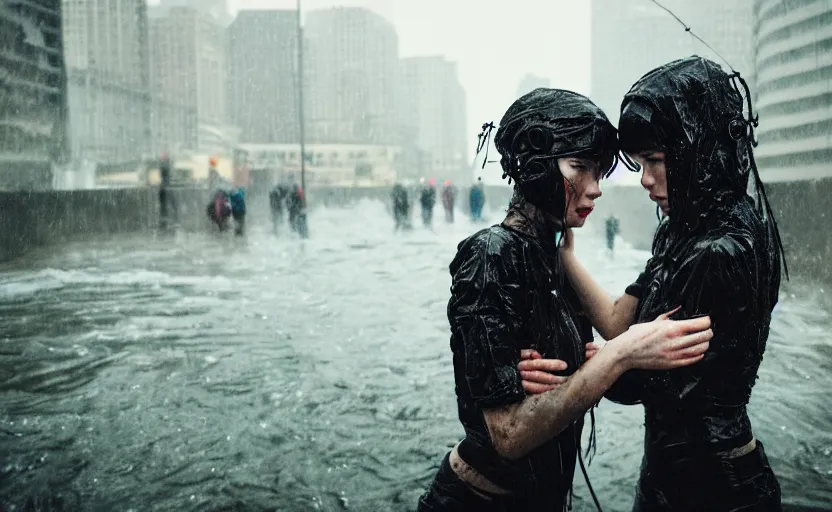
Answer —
202 372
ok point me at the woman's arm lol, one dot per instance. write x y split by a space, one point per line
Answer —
537 376
609 317
517 429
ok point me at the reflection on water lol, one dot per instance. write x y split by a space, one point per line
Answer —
192 372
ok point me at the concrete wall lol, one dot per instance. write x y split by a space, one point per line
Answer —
30 219
803 210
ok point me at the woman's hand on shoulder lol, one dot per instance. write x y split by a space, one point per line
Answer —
664 344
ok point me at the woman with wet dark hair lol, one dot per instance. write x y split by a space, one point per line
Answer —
509 293
716 252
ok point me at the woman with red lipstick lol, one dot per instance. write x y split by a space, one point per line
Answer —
509 293
716 252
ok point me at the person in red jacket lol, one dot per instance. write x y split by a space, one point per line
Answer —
296 204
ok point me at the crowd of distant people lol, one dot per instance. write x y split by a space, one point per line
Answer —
427 195
227 205
288 197
226 208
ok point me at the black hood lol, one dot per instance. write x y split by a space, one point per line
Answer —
694 112
691 110
547 124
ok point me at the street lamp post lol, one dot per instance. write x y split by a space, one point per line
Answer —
300 106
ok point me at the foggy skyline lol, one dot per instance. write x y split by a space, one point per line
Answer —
549 39
496 46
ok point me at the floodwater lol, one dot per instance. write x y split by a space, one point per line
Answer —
196 372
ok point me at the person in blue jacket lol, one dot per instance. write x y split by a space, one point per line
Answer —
238 210
477 200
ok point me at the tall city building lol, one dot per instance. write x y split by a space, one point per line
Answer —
794 88
32 94
433 108
352 61
216 9
188 82
531 82
263 78
631 38
105 44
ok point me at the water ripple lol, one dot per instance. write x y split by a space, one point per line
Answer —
193 372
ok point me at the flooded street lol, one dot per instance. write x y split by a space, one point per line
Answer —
193 372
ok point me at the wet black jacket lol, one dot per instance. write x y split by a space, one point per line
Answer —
428 197
399 196
294 200
277 198
164 173
714 255
509 293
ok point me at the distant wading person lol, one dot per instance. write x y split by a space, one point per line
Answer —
427 198
219 210
612 229
238 210
277 203
476 200
448 201
401 207
296 204
167 205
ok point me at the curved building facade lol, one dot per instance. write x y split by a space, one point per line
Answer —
33 105
794 88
